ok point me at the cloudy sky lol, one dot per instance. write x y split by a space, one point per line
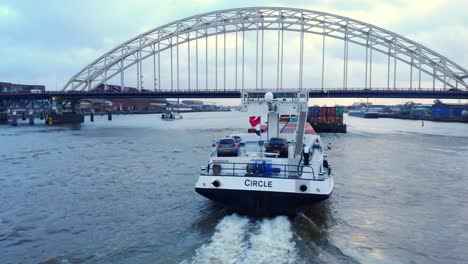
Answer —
47 41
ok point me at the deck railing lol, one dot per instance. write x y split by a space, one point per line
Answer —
262 169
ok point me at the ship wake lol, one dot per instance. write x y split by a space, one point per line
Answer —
227 244
239 240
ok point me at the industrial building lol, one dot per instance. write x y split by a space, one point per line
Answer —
19 88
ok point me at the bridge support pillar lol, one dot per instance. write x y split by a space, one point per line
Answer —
57 105
31 117
3 117
75 106
14 119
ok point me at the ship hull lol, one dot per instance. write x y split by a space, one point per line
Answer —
261 202
264 195
364 114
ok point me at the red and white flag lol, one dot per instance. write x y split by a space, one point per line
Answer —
255 121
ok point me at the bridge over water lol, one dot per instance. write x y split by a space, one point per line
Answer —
219 54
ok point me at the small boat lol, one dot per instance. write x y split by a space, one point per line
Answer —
171 115
279 166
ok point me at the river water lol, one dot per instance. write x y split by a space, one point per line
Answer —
123 192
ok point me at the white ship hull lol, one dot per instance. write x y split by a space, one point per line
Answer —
264 195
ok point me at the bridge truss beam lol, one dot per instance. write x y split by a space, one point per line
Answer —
259 20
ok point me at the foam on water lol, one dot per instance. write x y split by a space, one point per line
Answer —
271 241
227 244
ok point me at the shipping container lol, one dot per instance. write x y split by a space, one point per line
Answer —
323 111
331 119
314 111
331 111
339 110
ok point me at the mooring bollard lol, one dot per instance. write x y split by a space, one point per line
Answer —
31 118
14 119
109 115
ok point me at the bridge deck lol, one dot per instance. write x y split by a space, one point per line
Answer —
423 94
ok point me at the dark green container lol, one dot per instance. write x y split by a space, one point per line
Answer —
339 110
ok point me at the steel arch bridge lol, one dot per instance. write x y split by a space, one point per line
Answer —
114 64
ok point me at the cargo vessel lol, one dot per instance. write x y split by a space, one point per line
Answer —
449 112
278 166
364 113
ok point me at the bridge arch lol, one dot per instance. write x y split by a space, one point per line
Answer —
143 46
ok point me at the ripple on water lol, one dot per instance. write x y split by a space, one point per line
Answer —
52 231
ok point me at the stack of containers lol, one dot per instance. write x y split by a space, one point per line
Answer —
326 115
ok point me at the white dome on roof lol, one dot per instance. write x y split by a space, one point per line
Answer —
269 96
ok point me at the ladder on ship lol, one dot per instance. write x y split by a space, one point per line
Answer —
301 125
